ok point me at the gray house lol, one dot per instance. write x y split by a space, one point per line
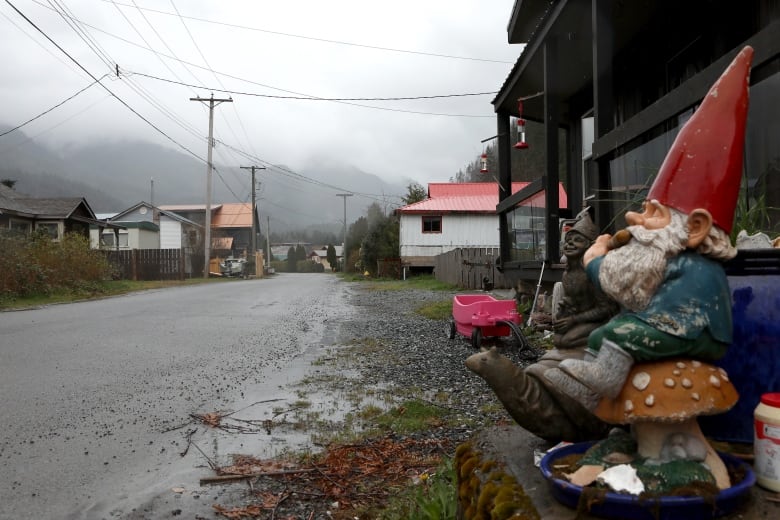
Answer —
57 216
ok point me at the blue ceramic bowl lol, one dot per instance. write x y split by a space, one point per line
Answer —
621 506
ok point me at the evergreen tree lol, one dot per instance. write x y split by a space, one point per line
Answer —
380 243
292 260
357 231
414 193
331 257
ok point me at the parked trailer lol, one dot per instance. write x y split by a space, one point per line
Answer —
478 316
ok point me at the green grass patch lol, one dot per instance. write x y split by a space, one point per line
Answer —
426 282
101 289
440 310
432 498
410 416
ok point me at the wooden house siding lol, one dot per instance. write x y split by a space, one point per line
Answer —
457 231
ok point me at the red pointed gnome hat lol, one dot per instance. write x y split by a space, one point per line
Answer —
704 165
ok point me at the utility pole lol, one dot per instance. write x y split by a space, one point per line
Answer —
207 250
344 244
255 226
268 240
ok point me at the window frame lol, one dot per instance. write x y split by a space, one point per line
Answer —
20 225
48 225
430 219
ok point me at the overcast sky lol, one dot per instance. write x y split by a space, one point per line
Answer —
258 52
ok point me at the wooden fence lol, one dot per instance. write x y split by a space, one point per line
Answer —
149 264
470 268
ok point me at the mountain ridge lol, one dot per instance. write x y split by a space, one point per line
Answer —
114 175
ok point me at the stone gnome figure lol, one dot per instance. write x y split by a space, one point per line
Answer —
668 277
532 401
582 307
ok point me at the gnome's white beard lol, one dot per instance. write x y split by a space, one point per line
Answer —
631 274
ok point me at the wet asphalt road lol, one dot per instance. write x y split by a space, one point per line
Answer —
95 396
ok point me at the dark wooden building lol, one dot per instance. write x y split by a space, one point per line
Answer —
611 82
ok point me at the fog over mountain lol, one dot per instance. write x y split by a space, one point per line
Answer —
114 175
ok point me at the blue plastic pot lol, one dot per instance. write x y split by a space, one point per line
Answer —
623 506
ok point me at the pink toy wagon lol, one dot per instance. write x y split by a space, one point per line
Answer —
478 316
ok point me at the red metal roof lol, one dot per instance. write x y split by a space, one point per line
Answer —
471 197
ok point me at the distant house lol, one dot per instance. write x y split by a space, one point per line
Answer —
320 255
231 225
461 215
56 216
148 227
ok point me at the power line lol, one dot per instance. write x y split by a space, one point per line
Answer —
55 106
335 100
324 40
311 98
63 11
208 66
122 101
238 78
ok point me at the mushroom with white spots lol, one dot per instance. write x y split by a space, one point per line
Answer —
665 397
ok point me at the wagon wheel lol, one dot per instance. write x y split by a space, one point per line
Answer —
518 333
451 329
476 338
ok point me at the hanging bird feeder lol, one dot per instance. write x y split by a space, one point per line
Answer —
483 163
521 144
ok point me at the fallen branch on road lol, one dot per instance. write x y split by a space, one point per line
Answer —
221 479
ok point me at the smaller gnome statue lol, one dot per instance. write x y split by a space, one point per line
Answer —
583 307
532 401
668 277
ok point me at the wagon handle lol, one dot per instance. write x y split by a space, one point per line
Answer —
536 296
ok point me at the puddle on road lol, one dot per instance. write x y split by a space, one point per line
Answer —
291 413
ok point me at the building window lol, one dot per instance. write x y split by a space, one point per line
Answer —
431 224
758 208
20 226
108 239
526 224
51 228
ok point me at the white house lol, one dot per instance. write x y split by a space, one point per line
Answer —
455 215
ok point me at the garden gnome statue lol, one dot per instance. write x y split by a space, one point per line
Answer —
531 400
583 307
668 277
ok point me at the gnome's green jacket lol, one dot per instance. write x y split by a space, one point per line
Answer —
689 315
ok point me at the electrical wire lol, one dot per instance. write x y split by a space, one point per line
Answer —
39 44
29 138
306 96
122 101
210 69
62 10
311 98
323 40
52 108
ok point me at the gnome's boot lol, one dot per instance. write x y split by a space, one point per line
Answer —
606 374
